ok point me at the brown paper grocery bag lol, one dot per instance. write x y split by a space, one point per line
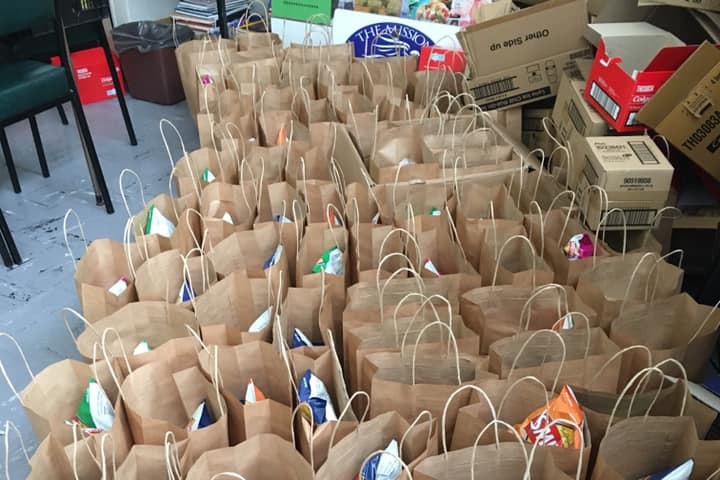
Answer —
180 213
232 311
160 398
612 285
512 402
153 322
263 457
318 239
191 54
641 446
260 363
249 251
502 311
416 441
509 258
148 461
572 357
102 265
407 384
674 327
559 227
502 460
227 209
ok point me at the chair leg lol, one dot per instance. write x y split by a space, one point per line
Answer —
9 161
102 195
39 147
8 244
63 117
118 86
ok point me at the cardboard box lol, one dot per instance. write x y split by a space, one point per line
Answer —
384 36
519 58
633 171
92 75
573 112
316 11
632 63
686 110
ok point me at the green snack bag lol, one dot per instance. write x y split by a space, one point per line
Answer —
330 262
157 223
207 176
95 410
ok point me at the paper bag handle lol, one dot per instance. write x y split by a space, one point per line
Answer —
426 300
494 423
454 344
617 355
530 339
635 271
65 234
409 238
6 434
562 295
578 470
681 255
311 437
587 328
542 227
529 378
227 474
345 411
449 401
381 293
500 256
121 184
659 216
103 459
414 424
24 360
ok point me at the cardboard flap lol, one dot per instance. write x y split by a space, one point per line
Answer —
636 43
677 88
670 58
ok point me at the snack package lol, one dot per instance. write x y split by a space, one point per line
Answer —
282 219
383 467
95 413
376 219
200 418
333 218
262 321
430 267
206 79
579 246
282 137
253 394
330 262
406 162
274 259
312 390
227 219
186 293
681 472
567 323
119 287
158 224
300 339
564 407
142 347
207 176
435 212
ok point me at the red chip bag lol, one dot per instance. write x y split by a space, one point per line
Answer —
564 407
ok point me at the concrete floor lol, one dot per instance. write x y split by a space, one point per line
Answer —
32 295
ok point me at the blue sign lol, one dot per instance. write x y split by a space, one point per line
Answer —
388 39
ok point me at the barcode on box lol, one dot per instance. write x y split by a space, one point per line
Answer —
633 217
576 118
589 172
494 88
604 100
643 153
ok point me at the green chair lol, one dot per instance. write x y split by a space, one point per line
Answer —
28 87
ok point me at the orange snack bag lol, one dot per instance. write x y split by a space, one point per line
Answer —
564 407
282 137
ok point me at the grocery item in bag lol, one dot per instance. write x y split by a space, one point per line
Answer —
207 176
300 339
186 293
142 347
579 246
95 413
253 394
158 224
430 267
282 219
262 321
383 467
681 472
330 262
312 391
119 287
200 418
274 259
227 218
565 407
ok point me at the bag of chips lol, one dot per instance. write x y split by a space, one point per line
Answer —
95 413
383 467
579 246
253 394
330 262
681 472
312 390
300 339
565 407
200 418
158 224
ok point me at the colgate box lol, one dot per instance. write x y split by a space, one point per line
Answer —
93 75
632 62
